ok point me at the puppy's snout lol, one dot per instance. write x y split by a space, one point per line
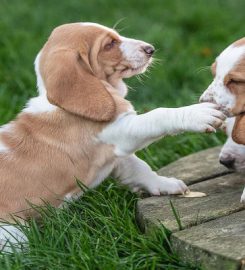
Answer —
149 50
227 162
202 99
207 97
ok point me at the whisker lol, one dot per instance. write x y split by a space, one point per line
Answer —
131 88
144 75
122 29
157 59
139 78
156 50
205 68
117 23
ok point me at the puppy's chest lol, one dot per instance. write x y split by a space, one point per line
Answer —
122 104
102 174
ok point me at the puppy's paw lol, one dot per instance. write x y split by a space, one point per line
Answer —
204 117
164 185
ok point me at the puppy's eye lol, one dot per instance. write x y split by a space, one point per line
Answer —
232 81
110 45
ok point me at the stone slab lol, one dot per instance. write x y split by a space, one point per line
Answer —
223 198
208 231
215 245
196 167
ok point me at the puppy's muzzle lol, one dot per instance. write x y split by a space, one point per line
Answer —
227 162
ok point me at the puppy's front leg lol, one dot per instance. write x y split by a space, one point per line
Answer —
131 132
137 174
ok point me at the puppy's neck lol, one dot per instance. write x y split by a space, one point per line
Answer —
119 85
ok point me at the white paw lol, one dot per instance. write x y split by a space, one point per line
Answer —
243 196
164 185
203 117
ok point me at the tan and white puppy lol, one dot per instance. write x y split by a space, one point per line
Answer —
228 91
80 126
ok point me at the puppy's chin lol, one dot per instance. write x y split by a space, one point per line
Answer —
132 71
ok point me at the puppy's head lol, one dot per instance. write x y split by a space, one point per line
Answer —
78 57
228 86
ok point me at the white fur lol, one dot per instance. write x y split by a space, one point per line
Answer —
131 132
133 52
40 84
39 104
122 88
11 236
103 173
243 196
137 174
218 92
3 147
70 197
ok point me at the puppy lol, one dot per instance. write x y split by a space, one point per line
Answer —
80 126
228 91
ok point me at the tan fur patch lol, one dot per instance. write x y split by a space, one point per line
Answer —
235 81
68 67
239 42
213 68
238 132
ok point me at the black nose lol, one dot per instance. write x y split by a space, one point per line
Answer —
149 50
227 162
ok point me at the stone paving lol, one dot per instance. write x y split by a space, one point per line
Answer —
208 231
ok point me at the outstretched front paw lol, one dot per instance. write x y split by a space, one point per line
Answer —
203 117
164 185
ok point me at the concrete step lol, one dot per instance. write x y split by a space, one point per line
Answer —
196 167
216 245
183 216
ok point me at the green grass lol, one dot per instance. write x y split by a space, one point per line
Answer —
99 231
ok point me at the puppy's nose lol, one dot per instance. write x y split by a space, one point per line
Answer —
227 162
149 50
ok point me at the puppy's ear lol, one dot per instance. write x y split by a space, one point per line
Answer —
238 132
71 85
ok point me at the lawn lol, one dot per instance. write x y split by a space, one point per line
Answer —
99 231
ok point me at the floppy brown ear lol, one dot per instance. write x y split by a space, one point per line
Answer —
238 132
71 85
